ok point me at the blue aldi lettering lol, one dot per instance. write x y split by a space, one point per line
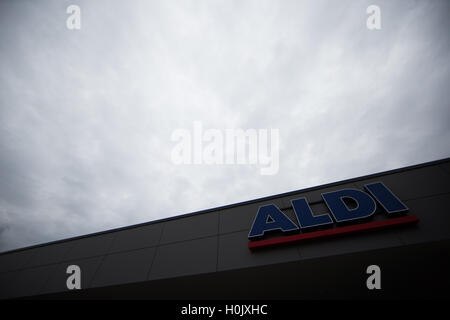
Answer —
305 216
386 198
271 218
335 202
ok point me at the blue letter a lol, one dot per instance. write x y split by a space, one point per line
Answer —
270 218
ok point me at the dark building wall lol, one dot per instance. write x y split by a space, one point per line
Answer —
214 242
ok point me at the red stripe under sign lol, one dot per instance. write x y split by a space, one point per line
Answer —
334 232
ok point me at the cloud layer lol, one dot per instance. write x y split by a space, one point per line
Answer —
86 116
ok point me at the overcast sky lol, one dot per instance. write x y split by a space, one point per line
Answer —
86 116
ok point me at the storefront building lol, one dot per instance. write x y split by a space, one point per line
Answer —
313 243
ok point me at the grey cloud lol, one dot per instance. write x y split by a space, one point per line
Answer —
86 116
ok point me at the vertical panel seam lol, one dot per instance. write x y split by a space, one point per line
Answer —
218 245
156 250
101 261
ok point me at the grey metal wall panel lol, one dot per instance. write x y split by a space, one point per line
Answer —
434 221
30 282
8 283
136 238
91 246
290 213
349 244
193 227
184 258
16 260
238 218
319 208
124 267
234 253
411 184
241 218
445 166
58 279
50 254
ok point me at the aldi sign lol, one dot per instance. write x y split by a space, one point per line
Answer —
351 207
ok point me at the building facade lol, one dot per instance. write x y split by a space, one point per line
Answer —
206 255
